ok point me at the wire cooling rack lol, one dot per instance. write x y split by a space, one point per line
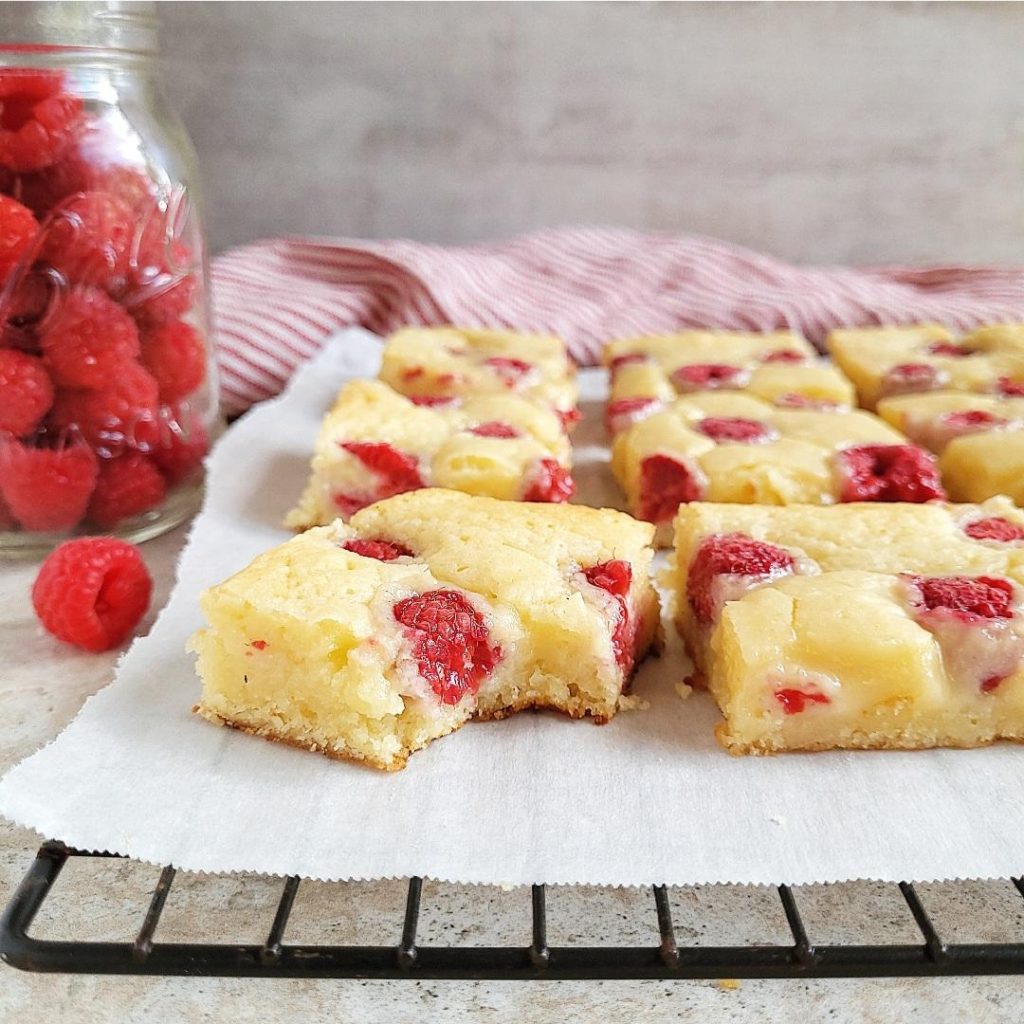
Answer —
534 959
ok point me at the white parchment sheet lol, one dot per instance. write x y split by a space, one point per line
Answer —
648 798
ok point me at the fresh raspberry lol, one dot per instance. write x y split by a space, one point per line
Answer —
783 355
92 592
88 239
550 481
615 577
970 421
948 348
382 550
432 401
168 297
88 339
708 377
794 701
183 444
665 484
494 428
511 371
450 642
124 414
793 400
176 356
396 471
44 189
968 599
37 121
17 230
569 418
29 303
731 555
1010 388
127 486
624 412
47 488
734 428
911 377
25 392
888 472
995 528
628 359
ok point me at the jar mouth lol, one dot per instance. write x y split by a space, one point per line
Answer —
73 28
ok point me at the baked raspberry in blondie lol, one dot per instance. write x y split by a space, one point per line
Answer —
857 625
780 367
375 443
367 640
733 447
434 364
884 361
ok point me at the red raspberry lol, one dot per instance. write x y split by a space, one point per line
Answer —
549 481
183 444
37 121
793 400
1010 388
734 428
624 412
47 488
450 642
615 577
995 528
628 359
708 377
396 471
176 356
912 377
88 239
30 302
783 355
794 701
665 484
92 592
511 371
970 421
569 418
432 401
168 298
127 486
17 230
41 191
889 472
494 428
382 550
25 392
968 599
88 339
731 555
124 414
948 348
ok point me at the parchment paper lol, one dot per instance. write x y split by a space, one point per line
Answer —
649 798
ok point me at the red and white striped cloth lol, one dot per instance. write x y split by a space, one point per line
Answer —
277 301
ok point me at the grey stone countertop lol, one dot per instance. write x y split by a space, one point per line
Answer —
42 686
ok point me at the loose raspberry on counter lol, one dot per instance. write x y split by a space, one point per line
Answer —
397 471
88 239
92 592
176 356
88 339
26 393
450 642
494 428
888 472
907 378
624 412
615 578
969 599
17 230
37 121
709 377
747 561
665 484
127 486
382 550
550 481
735 429
995 528
47 488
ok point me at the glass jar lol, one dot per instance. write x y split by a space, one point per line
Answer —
108 398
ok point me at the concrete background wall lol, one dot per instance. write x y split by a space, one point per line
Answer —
821 132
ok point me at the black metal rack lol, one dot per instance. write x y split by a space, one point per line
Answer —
537 960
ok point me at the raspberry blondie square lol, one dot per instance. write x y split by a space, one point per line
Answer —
367 640
979 438
781 367
883 361
733 447
857 625
435 364
375 443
